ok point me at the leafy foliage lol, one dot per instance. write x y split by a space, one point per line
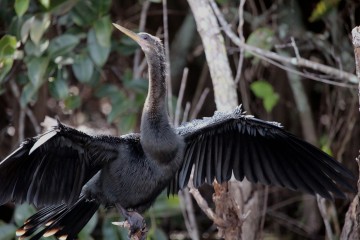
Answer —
263 90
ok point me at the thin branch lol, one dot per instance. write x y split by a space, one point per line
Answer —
186 112
242 38
199 104
136 69
322 208
305 75
29 113
180 97
301 62
167 54
205 207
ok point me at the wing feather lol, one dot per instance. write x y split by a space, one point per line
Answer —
53 167
260 151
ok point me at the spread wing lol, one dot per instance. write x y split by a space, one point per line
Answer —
234 143
53 167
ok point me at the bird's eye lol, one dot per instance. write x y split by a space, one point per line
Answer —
145 37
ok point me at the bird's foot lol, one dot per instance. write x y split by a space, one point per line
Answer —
135 223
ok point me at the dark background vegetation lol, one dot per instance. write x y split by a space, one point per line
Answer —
62 59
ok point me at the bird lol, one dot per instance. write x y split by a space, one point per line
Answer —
69 173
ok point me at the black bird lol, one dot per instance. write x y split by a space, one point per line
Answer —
72 173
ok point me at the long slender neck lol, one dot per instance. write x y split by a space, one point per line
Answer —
158 138
155 104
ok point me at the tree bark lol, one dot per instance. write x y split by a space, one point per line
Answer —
237 203
351 229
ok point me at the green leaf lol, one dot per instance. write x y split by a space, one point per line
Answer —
23 212
21 7
84 13
103 28
38 28
45 3
36 50
102 7
83 68
72 102
58 87
99 54
7 231
62 44
262 38
270 101
37 67
264 90
25 29
322 8
7 46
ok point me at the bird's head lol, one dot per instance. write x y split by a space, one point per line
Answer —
148 43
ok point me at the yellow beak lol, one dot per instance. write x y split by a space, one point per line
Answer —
129 33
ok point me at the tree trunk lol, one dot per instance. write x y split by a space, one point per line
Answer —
237 203
351 229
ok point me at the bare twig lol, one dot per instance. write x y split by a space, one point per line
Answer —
188 213
301 62
242 38
322 208
199 104
205 207
29 113
180 97
145 7
167 53
186 112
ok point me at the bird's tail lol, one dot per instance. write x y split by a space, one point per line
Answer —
62 221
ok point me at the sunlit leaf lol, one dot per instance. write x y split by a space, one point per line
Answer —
103 28
25 29
38 27
62 45
98 53
21 7
322 8
265 91
37 67
83 68
7 46
270 101
45 3
262 38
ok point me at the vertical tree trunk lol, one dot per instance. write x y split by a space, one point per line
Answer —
351 229
233 200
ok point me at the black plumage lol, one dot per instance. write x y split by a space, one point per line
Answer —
72 173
